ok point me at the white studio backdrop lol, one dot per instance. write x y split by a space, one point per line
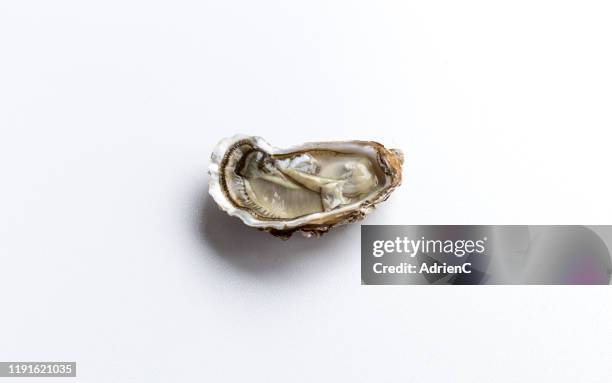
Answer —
113 256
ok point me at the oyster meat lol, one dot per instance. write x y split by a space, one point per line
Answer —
309 188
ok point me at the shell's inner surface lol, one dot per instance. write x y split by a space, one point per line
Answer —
287 186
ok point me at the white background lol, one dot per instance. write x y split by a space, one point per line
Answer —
111 254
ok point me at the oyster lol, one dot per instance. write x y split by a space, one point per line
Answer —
309 188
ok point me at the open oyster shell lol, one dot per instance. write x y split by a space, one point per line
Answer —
309 188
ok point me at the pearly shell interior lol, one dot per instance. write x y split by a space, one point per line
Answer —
296 184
